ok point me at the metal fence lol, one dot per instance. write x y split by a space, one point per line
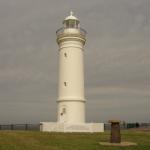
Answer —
124 126
20 127
37 126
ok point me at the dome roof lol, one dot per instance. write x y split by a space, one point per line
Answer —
71 17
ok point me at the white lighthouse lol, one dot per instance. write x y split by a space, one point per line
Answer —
71 100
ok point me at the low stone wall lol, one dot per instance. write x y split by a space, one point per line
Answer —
68 127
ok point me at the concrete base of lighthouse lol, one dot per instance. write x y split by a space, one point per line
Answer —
68 127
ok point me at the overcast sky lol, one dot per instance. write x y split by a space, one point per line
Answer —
117 58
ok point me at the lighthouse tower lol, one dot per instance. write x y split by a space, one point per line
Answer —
71 100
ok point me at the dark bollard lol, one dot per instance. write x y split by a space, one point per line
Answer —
115 138
115 131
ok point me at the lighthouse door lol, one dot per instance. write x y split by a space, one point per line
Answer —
63 114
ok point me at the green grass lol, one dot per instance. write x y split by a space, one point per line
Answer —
34 140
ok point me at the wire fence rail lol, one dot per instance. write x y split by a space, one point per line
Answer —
125 126
19 126
36 127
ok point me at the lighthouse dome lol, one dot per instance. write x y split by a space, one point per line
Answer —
71 21
71 17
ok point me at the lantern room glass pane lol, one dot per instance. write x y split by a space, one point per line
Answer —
71 24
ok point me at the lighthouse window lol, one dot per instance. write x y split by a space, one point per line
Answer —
65 83
71 24
65 54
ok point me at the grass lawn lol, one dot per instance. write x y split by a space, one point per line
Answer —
34 140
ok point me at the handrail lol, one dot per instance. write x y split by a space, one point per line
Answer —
61 30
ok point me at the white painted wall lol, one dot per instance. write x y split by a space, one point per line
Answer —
75 112
71 98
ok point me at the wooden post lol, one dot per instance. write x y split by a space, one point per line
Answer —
115 131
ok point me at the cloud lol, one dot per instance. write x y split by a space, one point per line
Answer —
117 58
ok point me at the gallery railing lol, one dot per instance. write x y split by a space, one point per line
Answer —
61 31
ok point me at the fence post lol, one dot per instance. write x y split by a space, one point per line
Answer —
12 127
26 126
